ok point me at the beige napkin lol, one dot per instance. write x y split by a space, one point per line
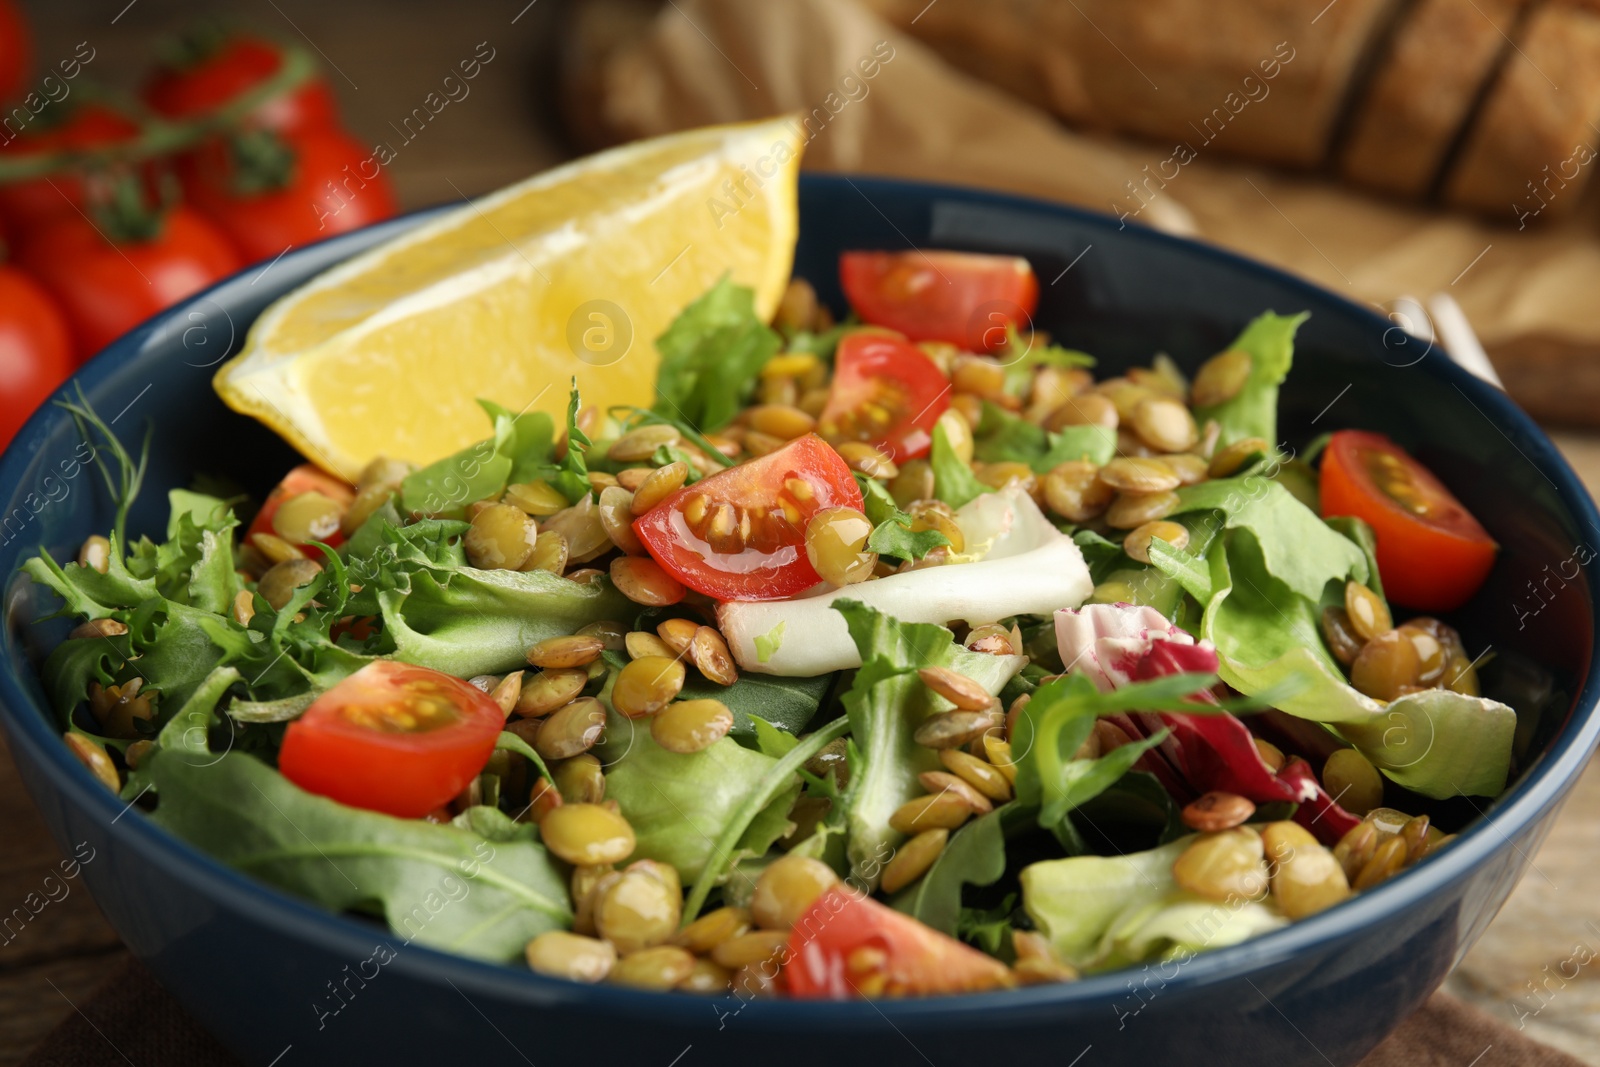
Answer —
878 102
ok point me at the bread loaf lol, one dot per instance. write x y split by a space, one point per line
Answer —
1423 91
1531 149
1264 79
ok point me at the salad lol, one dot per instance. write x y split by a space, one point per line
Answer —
897 656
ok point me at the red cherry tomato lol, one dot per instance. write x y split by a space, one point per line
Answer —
16 51
1432 554
885 392
910 957
35 349
276 195
393 738
698 533
107 289
965 298
31 205
299 481
225 70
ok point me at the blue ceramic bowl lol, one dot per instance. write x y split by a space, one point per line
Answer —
265 971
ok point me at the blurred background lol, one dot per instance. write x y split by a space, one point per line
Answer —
1441 150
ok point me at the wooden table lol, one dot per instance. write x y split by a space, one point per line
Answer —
383 59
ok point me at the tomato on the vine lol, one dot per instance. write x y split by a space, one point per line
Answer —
35 349
741 533
269 192
963 298
109 281
72 126
1432 554
392 737
16 51
212 71
885 392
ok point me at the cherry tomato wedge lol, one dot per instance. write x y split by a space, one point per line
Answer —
885 392
965 298
393 738
741 533
1432 554
904 956
299 481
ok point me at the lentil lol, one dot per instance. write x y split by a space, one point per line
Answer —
749 950
982 776
709 653
638 445
706 976
646 685
1340 635
571 730
549 553
691 725
1220 378
661 483
1230 458
563 652
912 860
1385 665
616 517
1218 811
1369 615
1137 543
958 689
550 689
712 929
930 812
945 782
786 890
540 498
678 635
580 780
278 586
637 910
587 835
659 968
95 553
836 540
1165 424
571 956
1306 878
952 729
92 754
306 517
1353 781
1075 492
643 581
1132 510
1223 865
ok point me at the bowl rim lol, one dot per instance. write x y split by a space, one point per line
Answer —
1542 785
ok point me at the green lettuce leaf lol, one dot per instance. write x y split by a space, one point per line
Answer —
1435 742
885 704
1297 547
1253 411
711 356
469 892
1022 355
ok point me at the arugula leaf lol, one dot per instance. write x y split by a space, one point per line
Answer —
711 356
436 885
953 480
885 704
989 928
750 828
891 528
974 855
772 741
572 473
1253 411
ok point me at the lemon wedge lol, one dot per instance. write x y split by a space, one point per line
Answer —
571 273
